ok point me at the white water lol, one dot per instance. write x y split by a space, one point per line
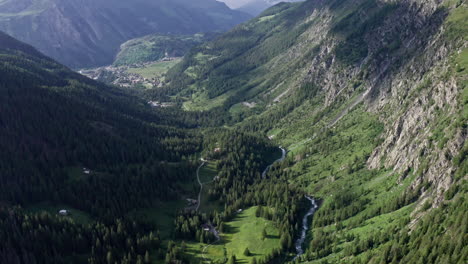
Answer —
305 227
283 156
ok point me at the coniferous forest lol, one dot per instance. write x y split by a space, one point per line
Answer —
317 132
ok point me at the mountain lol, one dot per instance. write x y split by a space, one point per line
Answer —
370 99
156 47
71 144
318 132
253 7
55 122
84 33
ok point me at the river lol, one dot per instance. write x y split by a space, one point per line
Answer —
283 156
305 227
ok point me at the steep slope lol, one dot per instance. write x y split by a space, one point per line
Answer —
156 47
370 97
55 122
83 33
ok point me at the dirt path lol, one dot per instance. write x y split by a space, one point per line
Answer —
201 185
218 238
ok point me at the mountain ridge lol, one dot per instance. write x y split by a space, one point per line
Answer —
88 33
368 100
308 74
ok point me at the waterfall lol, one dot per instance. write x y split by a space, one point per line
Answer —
305 227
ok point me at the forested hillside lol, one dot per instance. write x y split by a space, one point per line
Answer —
156 47
367 99
92 174
68 140
370 99
85 33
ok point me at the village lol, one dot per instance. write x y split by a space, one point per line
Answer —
126 76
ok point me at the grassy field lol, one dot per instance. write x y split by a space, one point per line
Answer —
78 216
208 172
244 231
201 102
154 70
207 175
162 216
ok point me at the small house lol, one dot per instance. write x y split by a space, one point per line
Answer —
63 212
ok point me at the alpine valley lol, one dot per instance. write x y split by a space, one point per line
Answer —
317 132
85 33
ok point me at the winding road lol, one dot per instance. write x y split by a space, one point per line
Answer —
201 184
212 228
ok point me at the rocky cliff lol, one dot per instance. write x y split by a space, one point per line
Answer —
370 97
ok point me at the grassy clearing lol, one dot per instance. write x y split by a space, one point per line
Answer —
201 102
154 70
266 18
238 108
208 172
457 23
207 175
462 61
76 215
244 231
162 216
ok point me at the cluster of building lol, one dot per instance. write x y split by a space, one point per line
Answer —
160 104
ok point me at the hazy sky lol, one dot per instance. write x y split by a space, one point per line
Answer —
235 3
238 3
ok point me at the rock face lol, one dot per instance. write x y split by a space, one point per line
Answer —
400 60
83 33
412 88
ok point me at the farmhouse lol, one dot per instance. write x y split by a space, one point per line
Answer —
64 212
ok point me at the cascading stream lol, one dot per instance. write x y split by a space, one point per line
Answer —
305 227
283 156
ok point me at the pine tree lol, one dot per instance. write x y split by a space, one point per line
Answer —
247 252
147 257
264 234
232 260
110 258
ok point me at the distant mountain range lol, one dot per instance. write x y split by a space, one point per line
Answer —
253 7
84 33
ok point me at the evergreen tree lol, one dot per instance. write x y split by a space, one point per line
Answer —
232 259
147 257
